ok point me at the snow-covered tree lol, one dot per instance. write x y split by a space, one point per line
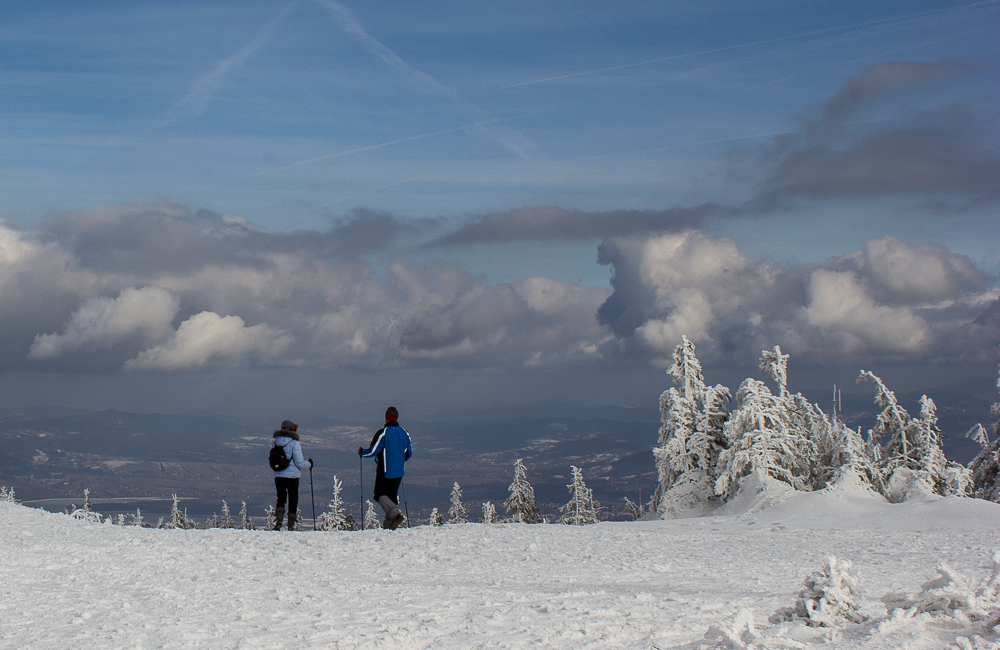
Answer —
913 454
984 470
246 523
775 364
226 518
212 522
120 519
270 521
86 513
335 518
177 518
371 517
633 510
436 519
7 494
692 434
829 598
763 439
137 519
457 513
489 513
581 508
520 505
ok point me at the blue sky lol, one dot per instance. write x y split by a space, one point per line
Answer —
193 162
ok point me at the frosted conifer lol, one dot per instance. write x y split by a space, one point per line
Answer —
581 508
763 440
489 513
86 513
137 519
335 518
457 513
120 519
436 519
226 518
633 510
269 519
691 435
7 494
176 517
246 523
984 470
775 364
520 505
371 517
913 452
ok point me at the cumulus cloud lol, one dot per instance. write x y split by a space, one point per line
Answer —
243 295
74 297
549 223
206 337
101 322
891 299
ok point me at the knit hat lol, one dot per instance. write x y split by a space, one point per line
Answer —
391 414
288 425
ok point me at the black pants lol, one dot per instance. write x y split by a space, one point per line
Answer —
288 490
387 487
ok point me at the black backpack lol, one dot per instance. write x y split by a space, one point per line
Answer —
277 458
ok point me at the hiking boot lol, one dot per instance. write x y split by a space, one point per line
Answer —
396 521
279 515
291 521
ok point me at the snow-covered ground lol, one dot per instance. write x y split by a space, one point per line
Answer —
659 584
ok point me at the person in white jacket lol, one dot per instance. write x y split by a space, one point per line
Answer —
286 481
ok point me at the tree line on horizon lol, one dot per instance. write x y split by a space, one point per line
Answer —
705 451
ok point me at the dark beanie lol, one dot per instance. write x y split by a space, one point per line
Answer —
288 425
391 413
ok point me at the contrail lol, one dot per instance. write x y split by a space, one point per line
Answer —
743 45
389 143
349 152
509 138
197 97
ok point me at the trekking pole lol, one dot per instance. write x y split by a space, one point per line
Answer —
311 493
361 472
405 507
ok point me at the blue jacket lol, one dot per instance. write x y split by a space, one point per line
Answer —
395 442
293 450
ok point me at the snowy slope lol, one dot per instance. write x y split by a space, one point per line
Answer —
662 584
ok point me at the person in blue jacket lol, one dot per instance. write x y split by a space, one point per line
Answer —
391 445
286 481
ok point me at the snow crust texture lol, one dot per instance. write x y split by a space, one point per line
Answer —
686 583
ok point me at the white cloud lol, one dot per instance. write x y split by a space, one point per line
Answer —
891 299
206 337
852 322
101 322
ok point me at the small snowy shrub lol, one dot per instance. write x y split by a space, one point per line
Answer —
949 595
633 510
520 505
226 518
828 598
581 508
457 513
7 494
335 518
436 519
371 517
269 519
246 523
741 634
489 513
86 513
